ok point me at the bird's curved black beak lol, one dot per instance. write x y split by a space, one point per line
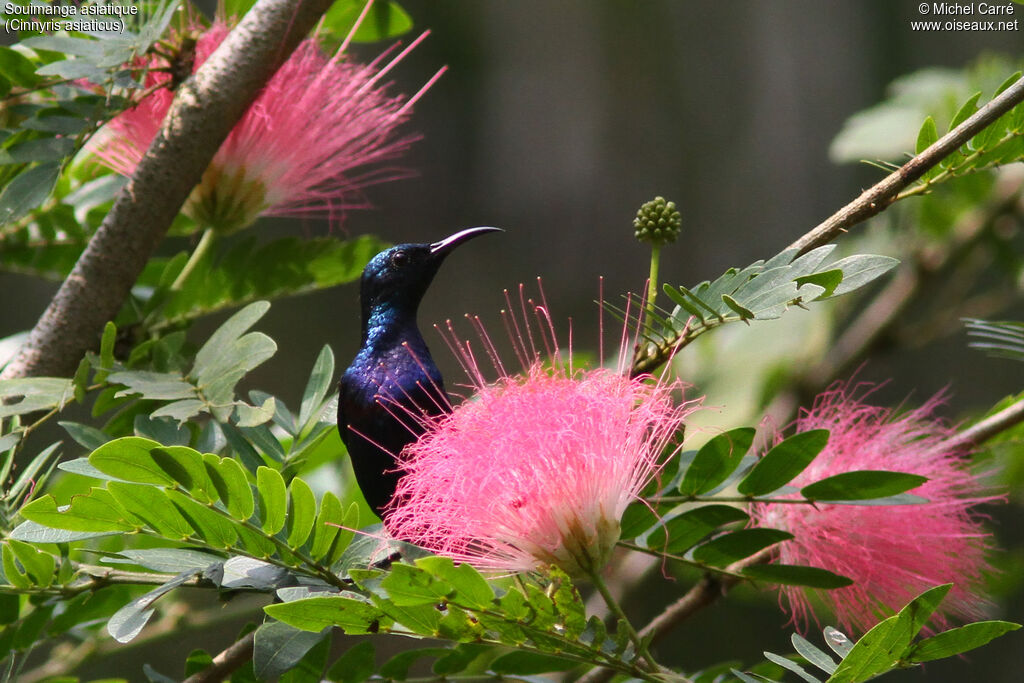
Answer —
448 244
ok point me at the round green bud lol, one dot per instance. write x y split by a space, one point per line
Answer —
658 222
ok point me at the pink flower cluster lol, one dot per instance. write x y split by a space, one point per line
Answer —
321 131
535 469
892 552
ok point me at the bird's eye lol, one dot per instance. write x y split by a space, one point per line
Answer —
399 259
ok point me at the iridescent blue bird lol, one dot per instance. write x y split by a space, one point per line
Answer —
393 377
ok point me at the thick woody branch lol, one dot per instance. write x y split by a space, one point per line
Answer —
205 109
880 196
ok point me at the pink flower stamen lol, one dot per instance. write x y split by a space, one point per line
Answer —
892 552
537 468
321 131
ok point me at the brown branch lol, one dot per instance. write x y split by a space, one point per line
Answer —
227 662
878 198
205 109
979 433
879 321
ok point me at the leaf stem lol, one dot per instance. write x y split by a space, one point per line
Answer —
708 590
206 243
623 621
652 280
679 558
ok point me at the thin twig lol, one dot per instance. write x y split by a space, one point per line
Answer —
981 432
878 322
879 197
205 109
227 662
708 590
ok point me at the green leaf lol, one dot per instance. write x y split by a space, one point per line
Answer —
252 416
214 528
32 532
129 458
397 668
782 463
278 648
34 474
320 382
423 620
229 480
828 280
796 575
186 468
967 109
928 135
860 269
958 640
160 386
862 485
471 589
80 47
217 356
728 548
385 20
170 560
743 313
327 526
27 191
525 663
196 661
791 666
461 657
301 512
286 267
84 435
999 338
812 654
354 617
456 625
273 499
355 666
686 530
408 586
14 576
637 519
35 394
17 68
882 648
31 628
39 566
95 511
129 621
715 461
149 504
89 607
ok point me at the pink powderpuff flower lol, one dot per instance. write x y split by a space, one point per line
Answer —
537 468
314 138
892 552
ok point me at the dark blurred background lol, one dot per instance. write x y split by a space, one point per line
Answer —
557 120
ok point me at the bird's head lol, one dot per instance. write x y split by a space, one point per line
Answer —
398 277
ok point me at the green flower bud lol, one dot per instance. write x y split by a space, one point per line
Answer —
658 222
